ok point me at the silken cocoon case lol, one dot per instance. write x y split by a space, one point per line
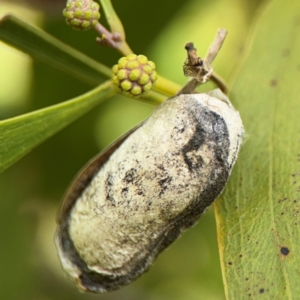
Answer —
138 196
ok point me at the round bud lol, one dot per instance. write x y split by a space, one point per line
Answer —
134 74
81 14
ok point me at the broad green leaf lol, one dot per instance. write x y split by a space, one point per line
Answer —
21 134
46 48
258 217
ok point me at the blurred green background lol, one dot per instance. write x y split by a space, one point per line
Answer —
32 189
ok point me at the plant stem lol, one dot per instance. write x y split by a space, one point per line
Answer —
215 47
116 37
153 97
113 19
113 40
200 70
117 40
125 49
166 86
220 83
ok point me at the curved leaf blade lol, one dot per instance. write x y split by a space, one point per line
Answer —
21 134
46 48
258 218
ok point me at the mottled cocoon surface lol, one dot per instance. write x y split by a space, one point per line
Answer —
137 197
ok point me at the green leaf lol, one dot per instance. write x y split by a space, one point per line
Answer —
258 217
44 47
21 134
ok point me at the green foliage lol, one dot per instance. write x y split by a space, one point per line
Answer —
44 47
258 215
20 134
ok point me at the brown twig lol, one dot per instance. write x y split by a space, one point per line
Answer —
107 38
113 40
200 69
215 47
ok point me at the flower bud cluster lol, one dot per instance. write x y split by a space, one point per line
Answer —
134 74
81 14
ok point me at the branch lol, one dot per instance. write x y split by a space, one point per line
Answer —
200 70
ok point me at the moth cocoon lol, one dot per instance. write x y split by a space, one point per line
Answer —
140 194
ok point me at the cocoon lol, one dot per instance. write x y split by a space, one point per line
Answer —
141 193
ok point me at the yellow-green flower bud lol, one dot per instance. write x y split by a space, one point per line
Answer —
115 80
143 60
126 85
144 79
147 87
115 69
122 74
136 90
81 14
134 74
